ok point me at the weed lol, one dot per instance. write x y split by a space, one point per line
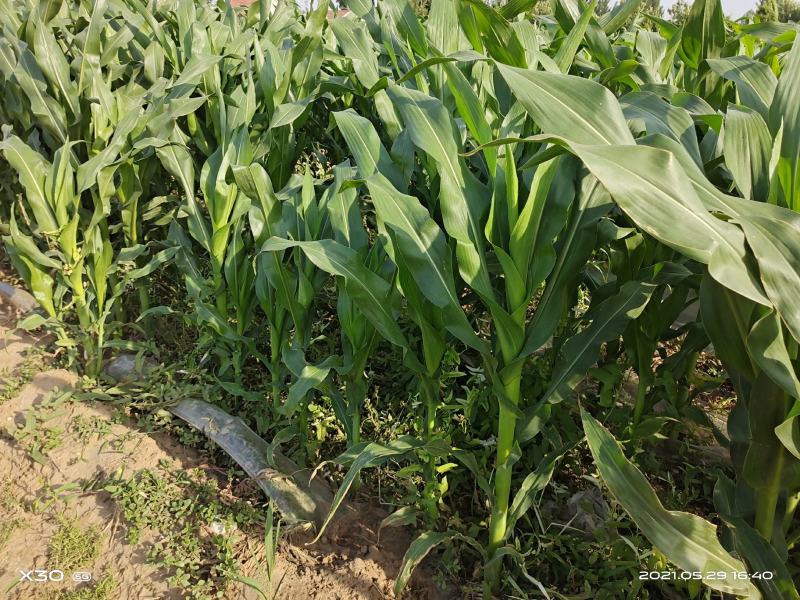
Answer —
8 499
13 382
92 427
73 546
196 532
105 589
7 528
50 494
34 434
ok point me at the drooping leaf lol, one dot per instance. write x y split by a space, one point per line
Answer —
688 541
417 551
367 455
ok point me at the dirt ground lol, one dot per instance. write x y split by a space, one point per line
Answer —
38 496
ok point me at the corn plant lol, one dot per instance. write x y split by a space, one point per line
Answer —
482 220
604 164
632 256
760 349
666 170
62 68
272 538
358 336
286 285
371 295
67 258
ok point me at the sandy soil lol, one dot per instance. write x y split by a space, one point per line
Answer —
349 563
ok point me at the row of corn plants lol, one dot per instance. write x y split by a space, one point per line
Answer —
476 180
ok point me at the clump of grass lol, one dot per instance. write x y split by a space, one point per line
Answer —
197 540
92 427
8 499
106 589
10 508
35 435
73 546
6 529
14 381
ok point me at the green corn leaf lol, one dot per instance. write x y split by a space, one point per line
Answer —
525 238
286 114
727 318
788 433
32 322
406 515
760 556
88 171
367 455
461 56
574 247
655 176
767 407
37 278
310 40
156 262
370 292
469 108
50 115
662 117
55 67
748 148
462 202
33 171
616 18
534 483
755 81
484 23
365 145
609 319
776 247
576 109
198 65
60 189
703 35
153 62
769 350
255 183
512 8
528 37
701 236
49 9
658 174
688 541
358 46
423 248
784 116
307 377
569 47
402 15
443 29
417 551
178 162
8 59
343 211
91 50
